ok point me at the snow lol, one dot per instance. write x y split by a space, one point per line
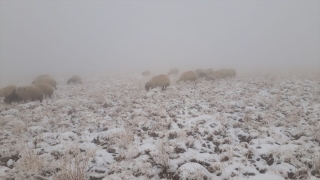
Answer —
250 127
263 177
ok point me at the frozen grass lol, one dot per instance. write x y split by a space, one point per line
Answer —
30 165
250 126
74 164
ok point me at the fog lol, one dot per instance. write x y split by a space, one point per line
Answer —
115 36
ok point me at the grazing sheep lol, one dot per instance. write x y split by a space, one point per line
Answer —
201 73
49 80
160 80
209 71
13 97
6 91
75 79
220 74
30 92
211 78
43 76
146 73
230 73
173 71
46 88
188 76
224 73
217 74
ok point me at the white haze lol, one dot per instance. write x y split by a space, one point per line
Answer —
115 36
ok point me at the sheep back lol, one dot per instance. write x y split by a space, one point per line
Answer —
75 79
46 88
31 92
230 72
159 80
201 73
173 71
188 76
146 73
209 71
49 80
6 91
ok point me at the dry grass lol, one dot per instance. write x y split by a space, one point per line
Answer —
301 173
196 171
316 132
74 164
3 122
30 164
125 139
162 156
18 127
271 102
316 162
98 97
145 134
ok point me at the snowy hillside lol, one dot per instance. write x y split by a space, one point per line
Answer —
253 127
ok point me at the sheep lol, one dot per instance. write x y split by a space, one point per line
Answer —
201 73
49 80
230 72
75 79
146 73
220 74
224 73
6 91
173 71
30 92
211 78
13 97
188 76
46 88
209 71
43 76
217 74
159 80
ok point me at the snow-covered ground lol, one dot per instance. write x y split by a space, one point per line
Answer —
250 127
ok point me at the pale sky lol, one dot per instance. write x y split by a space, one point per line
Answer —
96 36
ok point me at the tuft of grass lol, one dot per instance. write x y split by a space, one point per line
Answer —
125 139
162 156
317 162
98 97
74 164
301 173
30 164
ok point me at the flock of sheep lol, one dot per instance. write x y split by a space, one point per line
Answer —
163 80
44 85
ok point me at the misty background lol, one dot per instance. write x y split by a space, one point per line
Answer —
105 36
